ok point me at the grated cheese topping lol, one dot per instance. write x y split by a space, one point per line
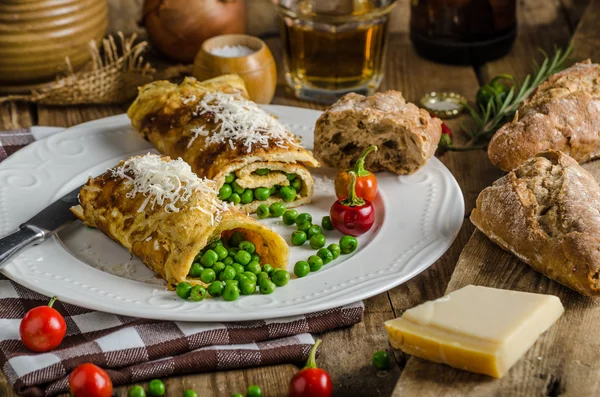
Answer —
167 183
242 121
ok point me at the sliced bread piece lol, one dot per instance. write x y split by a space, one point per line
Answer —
406 136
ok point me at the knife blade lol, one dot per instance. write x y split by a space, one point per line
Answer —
43 225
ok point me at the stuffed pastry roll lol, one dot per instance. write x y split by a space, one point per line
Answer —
170 218
252 157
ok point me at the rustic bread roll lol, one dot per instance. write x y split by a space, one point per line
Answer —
405 135
547 213
562 114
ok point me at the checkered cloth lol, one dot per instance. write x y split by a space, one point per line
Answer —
132 349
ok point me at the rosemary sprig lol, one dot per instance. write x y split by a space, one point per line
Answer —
488 118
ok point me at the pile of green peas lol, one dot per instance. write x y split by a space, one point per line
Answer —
231 268
156 388
234 193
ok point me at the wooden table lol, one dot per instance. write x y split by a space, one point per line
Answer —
564 362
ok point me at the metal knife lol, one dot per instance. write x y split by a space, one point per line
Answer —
47 222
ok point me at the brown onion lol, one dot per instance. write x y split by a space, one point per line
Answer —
177 28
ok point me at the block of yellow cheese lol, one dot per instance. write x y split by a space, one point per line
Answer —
478 329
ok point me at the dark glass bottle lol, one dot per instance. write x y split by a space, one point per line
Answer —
463 31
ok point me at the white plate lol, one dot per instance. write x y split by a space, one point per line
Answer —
418 217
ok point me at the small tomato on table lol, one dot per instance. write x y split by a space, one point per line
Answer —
311 381
43 328
366 182
89 380
352 215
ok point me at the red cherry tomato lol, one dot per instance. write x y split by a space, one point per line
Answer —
43 328
89 380
353 215
366 182
311 381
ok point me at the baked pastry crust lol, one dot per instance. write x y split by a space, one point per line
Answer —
165 114
562 114
547 213
405 135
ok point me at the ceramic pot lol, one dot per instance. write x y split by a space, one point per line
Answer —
37 35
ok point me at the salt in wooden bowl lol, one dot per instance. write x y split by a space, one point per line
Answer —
257 68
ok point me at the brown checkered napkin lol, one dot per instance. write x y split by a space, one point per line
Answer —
133 349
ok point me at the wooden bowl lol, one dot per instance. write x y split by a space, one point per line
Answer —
257 69
37 35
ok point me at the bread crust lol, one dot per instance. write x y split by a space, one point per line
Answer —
562 114
406 136
547 213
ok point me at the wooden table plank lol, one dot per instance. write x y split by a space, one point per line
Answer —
15 115
562 362
587 37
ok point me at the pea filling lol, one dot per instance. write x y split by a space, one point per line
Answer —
235 259
234 193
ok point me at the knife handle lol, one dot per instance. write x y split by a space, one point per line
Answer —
13 243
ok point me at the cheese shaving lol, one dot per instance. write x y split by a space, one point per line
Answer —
240 120
169 183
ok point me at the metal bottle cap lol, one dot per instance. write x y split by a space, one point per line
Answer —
443 104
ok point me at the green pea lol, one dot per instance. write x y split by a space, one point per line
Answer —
262 193
381 360
247 287
236 238
262 211
228 273
251 275
196 270
314 229
267 287
183 289
261 276
209 258
303 217
277 209
231 251
348 244
289 217
231 292
215 288
136 391
227 261
291 177
287 193
221 252
268 269
326 223
237 395
253 267
215 244
232 282
230 178
235 198
197 293
262 171
335 250
219 266
301 268
280 277
247 197
317 241
296 184
298 238
303 226
273 189
325 254
208 276
255 257
190 393
242 257
225 192
237 188
248 247
198 257
254 391
156 388
238 268
240 276
315 263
